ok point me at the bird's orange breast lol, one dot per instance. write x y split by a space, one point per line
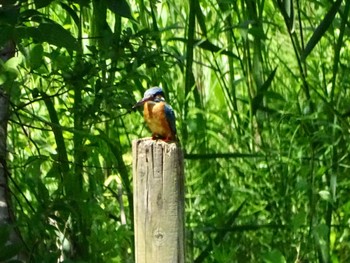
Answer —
156 120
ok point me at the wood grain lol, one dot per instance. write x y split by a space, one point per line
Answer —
158 180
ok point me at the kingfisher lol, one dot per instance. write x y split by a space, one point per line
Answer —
158 115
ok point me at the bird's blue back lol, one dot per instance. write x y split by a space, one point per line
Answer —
170 115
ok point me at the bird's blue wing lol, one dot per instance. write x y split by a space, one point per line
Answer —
170 116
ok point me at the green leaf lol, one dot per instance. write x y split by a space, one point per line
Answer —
55 34
12 64
275 96
321 29
43 192
298 220
257 32
290 18
200 18
54 172
9 69
33 165
51 33
30 14
321 233
71 12
257 101
42 3
207 45
82 3
274 256
325 195
36 56
119 7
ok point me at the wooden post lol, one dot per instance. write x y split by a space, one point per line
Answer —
158 180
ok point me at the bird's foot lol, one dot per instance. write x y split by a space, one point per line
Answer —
164 139
168 139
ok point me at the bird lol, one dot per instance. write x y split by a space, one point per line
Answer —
158 114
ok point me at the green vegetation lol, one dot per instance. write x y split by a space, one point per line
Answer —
260 91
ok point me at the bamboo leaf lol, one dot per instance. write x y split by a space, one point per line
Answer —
207 45
200 18
60 143
51 33
71 12
31 14
321 29
55 34
119 7
42 3
36 56
257 101
289 8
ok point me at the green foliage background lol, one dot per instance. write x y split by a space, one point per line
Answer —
261 94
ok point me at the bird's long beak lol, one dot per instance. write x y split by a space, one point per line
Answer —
141 102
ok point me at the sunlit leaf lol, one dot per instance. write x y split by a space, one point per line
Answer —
325 195
274 256
289 9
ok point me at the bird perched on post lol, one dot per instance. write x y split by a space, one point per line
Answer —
158 114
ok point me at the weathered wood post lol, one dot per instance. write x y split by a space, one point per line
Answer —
158 179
